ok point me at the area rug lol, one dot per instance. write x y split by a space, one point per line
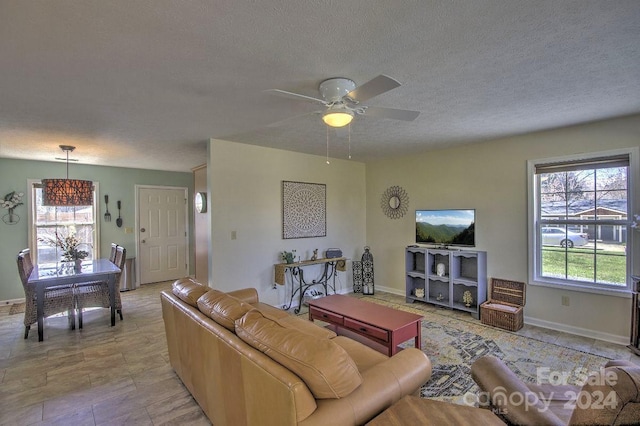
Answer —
17 308
454 340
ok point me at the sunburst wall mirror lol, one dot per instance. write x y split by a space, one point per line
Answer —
394 202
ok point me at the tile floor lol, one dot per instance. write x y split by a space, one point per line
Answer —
97 375
121 375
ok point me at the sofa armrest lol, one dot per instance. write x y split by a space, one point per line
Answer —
508 395
382 386
619 363
247 295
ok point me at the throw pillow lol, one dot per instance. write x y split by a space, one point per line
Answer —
222 308
188 290
325 367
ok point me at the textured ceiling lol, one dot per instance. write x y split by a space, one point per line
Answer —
146 83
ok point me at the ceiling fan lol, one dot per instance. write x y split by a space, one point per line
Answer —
342 100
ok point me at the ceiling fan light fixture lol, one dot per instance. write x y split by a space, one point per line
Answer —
67 192
337 118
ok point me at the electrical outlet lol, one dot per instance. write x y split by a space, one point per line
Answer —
565 300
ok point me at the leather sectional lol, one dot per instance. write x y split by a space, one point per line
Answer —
248 363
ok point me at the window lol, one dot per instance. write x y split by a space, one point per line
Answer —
45 221
579 221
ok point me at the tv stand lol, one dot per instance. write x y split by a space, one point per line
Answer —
461 272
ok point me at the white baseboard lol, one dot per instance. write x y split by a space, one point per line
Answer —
11 301
578 331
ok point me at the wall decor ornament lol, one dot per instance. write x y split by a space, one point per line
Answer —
10 202
304 210
394 202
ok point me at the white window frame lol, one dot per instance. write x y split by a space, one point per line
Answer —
633 240
31 215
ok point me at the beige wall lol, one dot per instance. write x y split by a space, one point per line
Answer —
245 184
201 224
492 178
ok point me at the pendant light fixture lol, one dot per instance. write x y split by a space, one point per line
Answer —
67 192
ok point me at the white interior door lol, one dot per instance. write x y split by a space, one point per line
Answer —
162 234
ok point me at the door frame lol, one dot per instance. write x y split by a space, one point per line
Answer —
137 222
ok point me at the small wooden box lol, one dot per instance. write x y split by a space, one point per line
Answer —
504 307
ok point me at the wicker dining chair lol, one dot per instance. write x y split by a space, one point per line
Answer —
57 299
96 293
112 255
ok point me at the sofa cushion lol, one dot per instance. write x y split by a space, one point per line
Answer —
222 308
188 290
302 325
325 367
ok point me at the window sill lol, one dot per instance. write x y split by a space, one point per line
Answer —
583 288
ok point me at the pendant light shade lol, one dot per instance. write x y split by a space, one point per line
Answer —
67 192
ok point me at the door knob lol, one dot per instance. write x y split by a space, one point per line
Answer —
144 241
142 230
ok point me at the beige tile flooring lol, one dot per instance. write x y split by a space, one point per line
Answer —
97 375
121 375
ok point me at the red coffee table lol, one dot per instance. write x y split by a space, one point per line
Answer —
377 326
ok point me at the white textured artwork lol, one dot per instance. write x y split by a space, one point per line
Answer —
304 210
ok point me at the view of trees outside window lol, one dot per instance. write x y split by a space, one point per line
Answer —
47 221
583 224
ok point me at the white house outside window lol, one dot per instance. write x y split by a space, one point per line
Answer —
45 221
579 221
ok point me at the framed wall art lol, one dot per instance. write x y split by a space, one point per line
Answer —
304 210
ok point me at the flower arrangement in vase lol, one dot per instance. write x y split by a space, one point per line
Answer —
69 244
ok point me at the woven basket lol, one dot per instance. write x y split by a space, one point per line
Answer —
504 308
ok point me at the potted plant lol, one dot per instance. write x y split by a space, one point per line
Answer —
288 256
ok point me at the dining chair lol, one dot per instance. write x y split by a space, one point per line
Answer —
96 293
112 255
56 299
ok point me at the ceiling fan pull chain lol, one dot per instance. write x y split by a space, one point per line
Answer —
349 141
327 144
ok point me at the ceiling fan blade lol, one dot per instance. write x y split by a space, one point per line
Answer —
293 117
372 88
296 96
395 114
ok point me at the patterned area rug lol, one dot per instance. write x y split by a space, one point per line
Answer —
454 340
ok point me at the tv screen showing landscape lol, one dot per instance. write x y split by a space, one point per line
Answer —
446 227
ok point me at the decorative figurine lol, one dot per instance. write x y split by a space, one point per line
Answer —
315 255
419 292
467 298
440 270
440 297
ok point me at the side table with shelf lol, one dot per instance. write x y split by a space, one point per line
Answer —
443 277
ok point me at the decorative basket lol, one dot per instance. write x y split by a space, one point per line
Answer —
504 309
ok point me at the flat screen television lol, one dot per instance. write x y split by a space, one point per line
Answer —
446 227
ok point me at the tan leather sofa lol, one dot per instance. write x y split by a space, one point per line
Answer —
248 363
610 396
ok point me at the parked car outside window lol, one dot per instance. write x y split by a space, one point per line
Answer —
559 237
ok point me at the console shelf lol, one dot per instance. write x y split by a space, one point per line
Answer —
442 277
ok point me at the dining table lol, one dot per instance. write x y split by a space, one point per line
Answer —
48 275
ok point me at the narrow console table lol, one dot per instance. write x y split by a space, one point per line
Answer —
299 285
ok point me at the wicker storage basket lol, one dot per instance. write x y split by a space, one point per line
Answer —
504 308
